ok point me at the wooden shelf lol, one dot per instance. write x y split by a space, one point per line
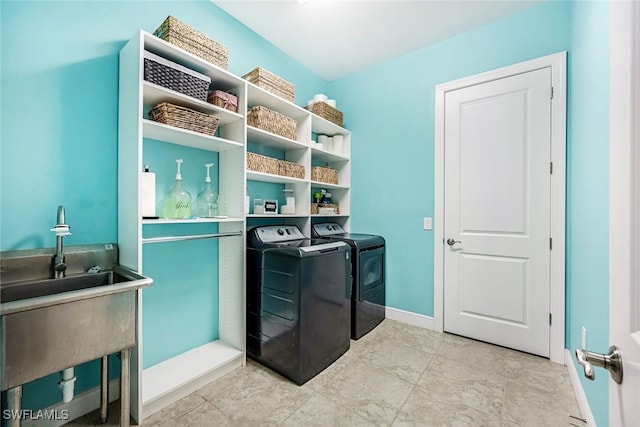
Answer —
276 179
154 95
327 156
187 372
162 221
323 126
318 184
259 96
189 138
222 79
277 216
269 139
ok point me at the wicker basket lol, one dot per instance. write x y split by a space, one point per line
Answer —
321 174
315 206
326 111
193 41
185 118
161 71
225 100
264 164
271 83
272 121
290 169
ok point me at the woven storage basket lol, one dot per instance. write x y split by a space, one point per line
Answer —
185 118
326 111
272 121
193 41
328 175
271 83
225 100
264 164
315 206
290 169
161 71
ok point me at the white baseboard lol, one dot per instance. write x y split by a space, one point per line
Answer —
81 405
578 390
419 320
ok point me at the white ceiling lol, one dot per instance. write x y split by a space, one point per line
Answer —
334 38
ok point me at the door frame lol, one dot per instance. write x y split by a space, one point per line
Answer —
558 64
624 178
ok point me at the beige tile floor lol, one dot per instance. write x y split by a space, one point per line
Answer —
397 375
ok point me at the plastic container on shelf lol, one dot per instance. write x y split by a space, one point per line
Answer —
178 201
207 201
288 206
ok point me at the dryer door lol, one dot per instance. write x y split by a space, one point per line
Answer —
371 273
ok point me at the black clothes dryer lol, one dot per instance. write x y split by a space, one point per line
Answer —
298 301
368 270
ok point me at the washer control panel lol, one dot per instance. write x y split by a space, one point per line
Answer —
278 233
327 229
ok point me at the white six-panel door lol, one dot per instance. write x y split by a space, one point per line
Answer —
497 211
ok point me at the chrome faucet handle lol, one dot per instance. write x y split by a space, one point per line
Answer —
62 230
612 362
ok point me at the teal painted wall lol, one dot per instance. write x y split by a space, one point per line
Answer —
393 144
59 104
59 74
390 111
588 193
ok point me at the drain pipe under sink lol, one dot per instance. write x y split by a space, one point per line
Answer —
67 384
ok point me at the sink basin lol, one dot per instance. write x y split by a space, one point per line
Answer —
47 325
44 287
39 293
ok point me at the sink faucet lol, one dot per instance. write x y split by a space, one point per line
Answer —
61 229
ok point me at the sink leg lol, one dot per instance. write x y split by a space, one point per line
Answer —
14 403
104 390
125 404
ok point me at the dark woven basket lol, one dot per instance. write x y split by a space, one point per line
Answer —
185 118
173 76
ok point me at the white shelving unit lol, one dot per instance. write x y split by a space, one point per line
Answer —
302 152
158 386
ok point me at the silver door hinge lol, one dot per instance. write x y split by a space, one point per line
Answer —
551 92
550 243
550 320
551 167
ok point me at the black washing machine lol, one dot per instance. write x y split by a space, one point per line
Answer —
298 301
368 270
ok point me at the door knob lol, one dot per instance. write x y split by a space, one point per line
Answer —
611 361
452 242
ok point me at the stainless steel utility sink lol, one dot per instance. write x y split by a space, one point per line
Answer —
50 324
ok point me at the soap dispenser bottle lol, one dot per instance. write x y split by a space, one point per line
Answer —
178 200
207 202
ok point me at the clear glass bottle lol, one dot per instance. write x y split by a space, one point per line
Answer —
178 201
207 201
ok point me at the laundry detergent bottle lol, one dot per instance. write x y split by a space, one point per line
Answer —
207 202
178 200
